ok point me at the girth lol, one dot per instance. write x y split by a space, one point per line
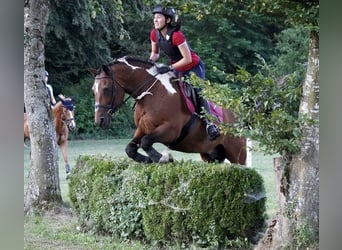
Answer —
185 130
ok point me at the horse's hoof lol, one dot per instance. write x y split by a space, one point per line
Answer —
166 157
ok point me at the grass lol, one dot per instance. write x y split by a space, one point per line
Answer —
59 231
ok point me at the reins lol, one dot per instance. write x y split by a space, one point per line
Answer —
110 108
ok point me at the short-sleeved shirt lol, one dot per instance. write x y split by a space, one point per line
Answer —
178 38
50 92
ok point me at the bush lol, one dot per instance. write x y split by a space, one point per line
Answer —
179 203
98 192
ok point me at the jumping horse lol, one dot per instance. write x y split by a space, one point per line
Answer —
63 119
161 114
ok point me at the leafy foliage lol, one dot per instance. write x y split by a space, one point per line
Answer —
291 52
230 42
86 34
100 200
267 109
178 203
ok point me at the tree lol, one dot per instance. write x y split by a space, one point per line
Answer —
296 225
298 217
43 188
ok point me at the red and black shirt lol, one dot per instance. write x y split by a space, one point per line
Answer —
169 45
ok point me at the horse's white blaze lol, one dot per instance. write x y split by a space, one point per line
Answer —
164 79
96 87
72 122
96 90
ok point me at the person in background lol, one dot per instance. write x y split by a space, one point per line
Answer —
49 88
167 37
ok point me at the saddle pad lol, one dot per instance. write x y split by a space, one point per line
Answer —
188 102
216 111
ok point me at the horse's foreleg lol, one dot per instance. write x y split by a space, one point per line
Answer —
65 157
146 144
132 152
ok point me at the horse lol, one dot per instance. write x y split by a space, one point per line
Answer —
63 120
161 114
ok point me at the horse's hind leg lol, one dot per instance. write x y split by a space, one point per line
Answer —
132 152
237 151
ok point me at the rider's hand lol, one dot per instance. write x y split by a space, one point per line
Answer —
164 69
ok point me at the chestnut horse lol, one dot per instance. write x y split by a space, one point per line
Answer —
161 114
63 114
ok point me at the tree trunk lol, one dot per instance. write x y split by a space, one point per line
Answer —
296 225
43 190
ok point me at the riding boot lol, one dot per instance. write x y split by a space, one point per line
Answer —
212 130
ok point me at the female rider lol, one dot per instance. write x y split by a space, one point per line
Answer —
166 36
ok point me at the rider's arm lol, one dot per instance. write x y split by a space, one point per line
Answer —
52 98
179 40
186 56
154 56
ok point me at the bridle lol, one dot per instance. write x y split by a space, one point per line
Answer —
110 107
68 122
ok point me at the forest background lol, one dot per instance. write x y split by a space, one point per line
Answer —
271 110
226 41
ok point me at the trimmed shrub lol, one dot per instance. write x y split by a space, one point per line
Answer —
97 189
180 203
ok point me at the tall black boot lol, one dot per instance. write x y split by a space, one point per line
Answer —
212 130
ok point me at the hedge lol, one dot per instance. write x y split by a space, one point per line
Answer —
182 203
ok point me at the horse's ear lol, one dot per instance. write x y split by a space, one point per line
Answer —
93 71
106 69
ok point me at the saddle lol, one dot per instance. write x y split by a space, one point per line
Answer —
190 96
192 100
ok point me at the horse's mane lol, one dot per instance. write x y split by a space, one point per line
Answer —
133 60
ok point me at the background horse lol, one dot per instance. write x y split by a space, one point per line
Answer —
161 114
63 119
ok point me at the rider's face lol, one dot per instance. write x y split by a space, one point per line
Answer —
159 21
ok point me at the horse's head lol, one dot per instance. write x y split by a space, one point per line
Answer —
124 75
105 91
68 112
109 88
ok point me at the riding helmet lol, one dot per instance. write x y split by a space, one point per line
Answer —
46 73
167 12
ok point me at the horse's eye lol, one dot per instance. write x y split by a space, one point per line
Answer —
106 91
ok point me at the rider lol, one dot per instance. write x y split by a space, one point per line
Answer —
49 88
166 36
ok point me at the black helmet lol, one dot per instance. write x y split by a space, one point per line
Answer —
168 12
46 73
